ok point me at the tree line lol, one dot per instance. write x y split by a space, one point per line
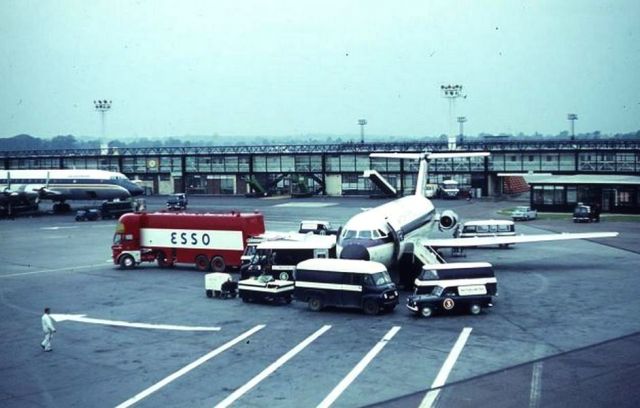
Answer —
61 142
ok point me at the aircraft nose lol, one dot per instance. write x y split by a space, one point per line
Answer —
136 190
355 251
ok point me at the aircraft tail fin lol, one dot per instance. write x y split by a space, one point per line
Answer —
424 158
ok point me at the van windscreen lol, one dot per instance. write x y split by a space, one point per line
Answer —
381 278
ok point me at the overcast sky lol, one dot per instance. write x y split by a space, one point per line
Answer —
315 67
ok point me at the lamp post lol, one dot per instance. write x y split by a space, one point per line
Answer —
451 92
362 122
102 106
461 120
572 117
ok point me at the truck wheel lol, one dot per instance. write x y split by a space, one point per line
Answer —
162 261
209 293
127 262
371 307
202 263
315 303
475 309
217 264
426 311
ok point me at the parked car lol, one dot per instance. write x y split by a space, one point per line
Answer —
469 298
177 202
91 214
116 208
524 213
586 213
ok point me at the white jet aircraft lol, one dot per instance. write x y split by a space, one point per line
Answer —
400 227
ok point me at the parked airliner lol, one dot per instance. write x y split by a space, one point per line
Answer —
25 188
399 227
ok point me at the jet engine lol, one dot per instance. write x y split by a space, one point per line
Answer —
448 220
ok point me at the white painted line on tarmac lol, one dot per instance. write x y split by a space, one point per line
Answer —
188 368
269 370
306 205
69 268
536 385
81 318
355 372
430 399
58 228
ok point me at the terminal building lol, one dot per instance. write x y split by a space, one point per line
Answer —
338 169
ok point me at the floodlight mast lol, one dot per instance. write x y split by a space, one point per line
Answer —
461 120
102 106
451 92
362 122
572 117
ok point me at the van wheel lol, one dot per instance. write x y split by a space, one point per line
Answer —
371 307
315 303
202 263
209 293
426 311
283 276
127 262
217 264
475 309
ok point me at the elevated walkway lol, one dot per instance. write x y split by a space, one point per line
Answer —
377 179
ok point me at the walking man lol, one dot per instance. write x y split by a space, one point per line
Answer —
48 328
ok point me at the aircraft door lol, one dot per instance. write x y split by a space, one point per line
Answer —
396 242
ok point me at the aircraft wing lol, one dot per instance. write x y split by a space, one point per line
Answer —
517 239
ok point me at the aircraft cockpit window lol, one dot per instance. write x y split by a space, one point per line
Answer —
382 233
364 234
349 234
375 234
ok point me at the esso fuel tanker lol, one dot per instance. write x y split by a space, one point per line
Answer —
210 241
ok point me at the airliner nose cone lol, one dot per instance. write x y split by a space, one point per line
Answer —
136 190
355 251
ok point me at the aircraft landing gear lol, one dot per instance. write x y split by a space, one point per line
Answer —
60 208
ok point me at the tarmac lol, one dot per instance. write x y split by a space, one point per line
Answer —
563 332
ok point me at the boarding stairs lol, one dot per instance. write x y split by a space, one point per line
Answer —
382 183
426 255
515 185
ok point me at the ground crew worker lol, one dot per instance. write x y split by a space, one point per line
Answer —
48 328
